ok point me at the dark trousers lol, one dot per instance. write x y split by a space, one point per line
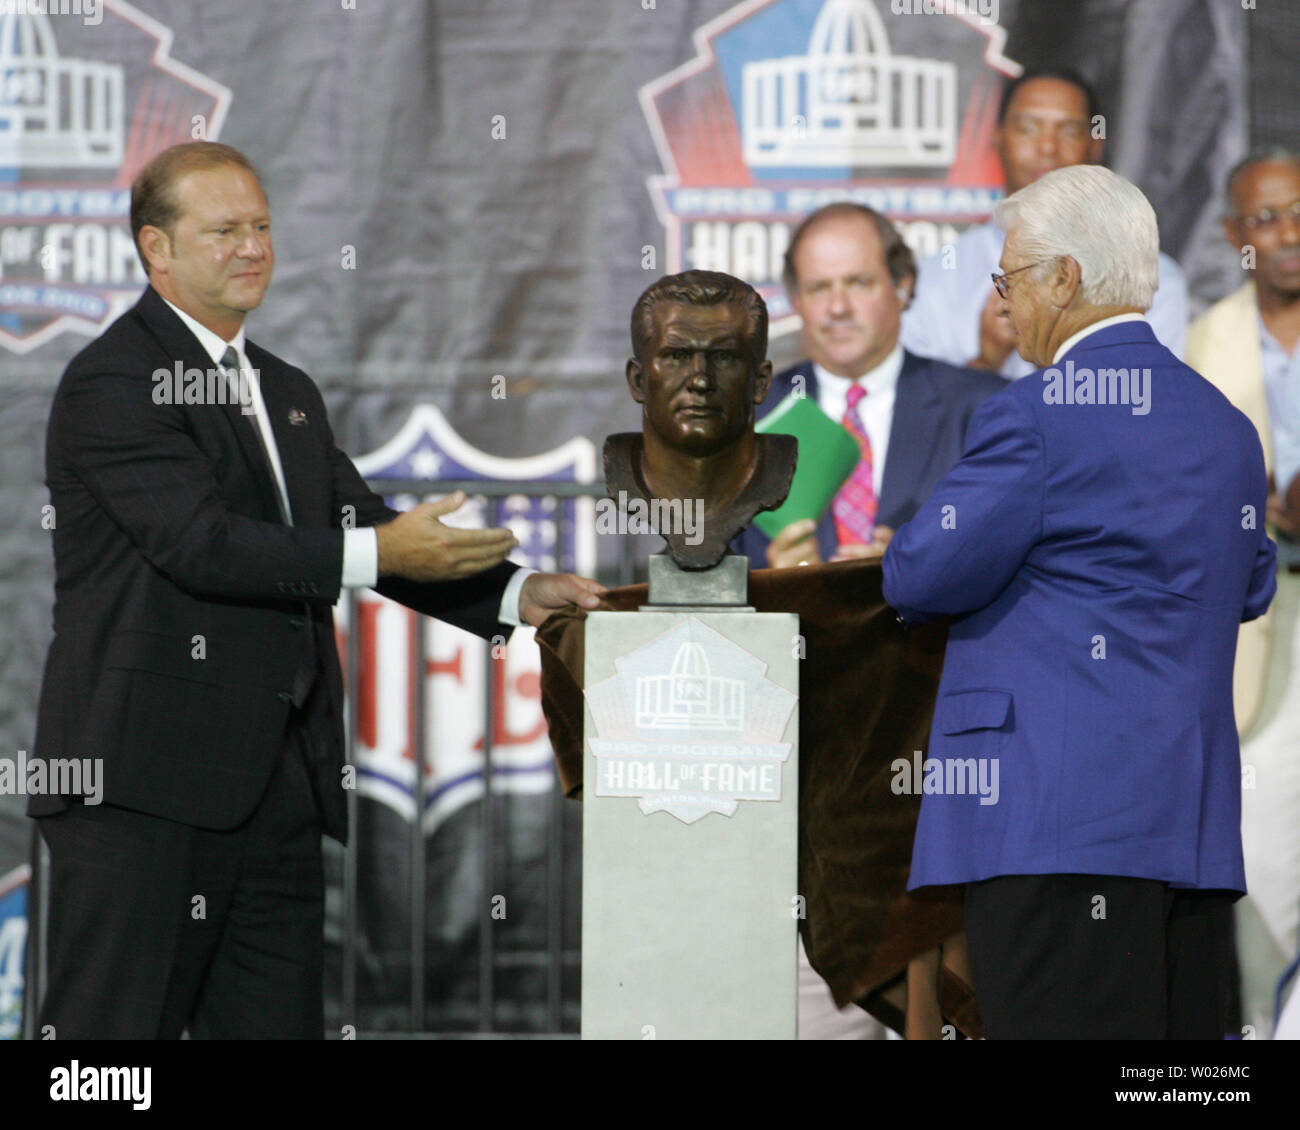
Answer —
157 927
1099 957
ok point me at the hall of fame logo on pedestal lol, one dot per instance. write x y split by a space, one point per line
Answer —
681 736
792 104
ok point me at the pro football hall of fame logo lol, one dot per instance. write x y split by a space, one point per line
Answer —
792 104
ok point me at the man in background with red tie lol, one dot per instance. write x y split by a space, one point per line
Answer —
850 276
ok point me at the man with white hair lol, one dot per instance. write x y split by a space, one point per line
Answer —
1096 546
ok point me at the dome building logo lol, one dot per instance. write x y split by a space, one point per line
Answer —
53 111
792 104
690 697
849 101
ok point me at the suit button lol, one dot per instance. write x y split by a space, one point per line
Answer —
284 696
297 622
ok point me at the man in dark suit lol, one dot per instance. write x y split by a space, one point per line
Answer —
850 276
1097 546
205 524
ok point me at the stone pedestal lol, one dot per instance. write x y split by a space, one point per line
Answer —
690 803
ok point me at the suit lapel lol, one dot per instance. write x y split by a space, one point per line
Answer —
914 436
297 440
275 397
179 344
1236 363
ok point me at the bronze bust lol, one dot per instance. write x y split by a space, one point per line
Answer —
699 371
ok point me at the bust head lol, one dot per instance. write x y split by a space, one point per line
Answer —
699 368
699 373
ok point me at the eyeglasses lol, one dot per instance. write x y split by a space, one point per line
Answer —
1269 218
1000 281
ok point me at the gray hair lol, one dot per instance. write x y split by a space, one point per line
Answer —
1101 221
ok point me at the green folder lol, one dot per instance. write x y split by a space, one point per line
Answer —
827 455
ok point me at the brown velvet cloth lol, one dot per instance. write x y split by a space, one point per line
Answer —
867 691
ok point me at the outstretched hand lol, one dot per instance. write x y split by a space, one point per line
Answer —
417 545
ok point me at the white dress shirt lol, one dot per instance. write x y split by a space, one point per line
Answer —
1282 388
360 545
875 410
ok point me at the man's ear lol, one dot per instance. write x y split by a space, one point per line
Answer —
156 245
905 289
763 382
1063 282
635 380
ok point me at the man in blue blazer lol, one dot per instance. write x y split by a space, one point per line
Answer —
850 276
1097 546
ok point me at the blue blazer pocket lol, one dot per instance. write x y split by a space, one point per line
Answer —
960 712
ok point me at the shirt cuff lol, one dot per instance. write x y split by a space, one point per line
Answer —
509 613
360 558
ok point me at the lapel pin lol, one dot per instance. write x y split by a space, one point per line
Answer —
297 417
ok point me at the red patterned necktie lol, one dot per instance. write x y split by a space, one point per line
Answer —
854 507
